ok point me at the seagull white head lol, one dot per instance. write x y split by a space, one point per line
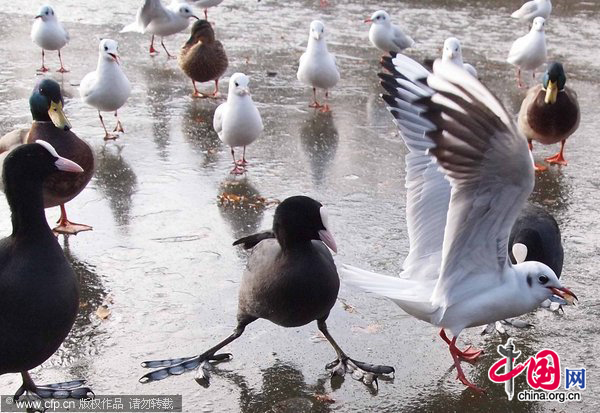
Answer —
109 50
317 30
452 50
46 13
538 24
186 12
238 84
379 17
542 283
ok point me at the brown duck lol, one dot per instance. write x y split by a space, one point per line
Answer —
51 125
550 112
202 57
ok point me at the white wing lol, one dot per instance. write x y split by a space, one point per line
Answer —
428 193
218 118
526 9
87 86
490 169
517 49
150 10
471 69
402 40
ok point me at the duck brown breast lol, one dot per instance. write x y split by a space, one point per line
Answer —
555 122
204 62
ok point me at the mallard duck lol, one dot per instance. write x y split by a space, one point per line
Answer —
39 293
107 88
50 124
49 34
202 57
550 112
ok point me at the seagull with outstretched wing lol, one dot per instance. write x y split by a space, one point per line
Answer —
468 176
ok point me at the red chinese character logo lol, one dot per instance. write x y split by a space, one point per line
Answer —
543 369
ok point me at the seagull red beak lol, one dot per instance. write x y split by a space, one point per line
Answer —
195 17
39 16
564 293
368 21
115 57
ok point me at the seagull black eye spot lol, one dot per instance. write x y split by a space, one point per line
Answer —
543 279
529 280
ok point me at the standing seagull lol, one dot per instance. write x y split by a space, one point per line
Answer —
107 88
317 66
237 121
385 35
468 176
161 21
39 293
291 280
453 53
529 52
533 9
205 4
49 34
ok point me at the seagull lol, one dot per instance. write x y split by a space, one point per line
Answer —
205 4
468 176
237 121
453 53
317 67
107 88
49 34
385 35
533 9
291 280
161 21
529 52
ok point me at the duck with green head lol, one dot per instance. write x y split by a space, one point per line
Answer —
550 112
50 124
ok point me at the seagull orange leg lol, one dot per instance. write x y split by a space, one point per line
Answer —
169 55
456 356
62 67
315 104
470 354
536 166
558 158
43 68
520 84
325 108
152 49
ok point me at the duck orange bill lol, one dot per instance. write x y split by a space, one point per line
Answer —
67 165
327 238
565 294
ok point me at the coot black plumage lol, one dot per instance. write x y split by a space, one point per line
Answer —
291 279
39 294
